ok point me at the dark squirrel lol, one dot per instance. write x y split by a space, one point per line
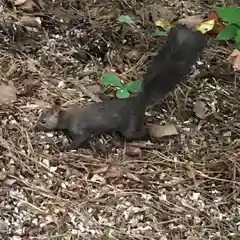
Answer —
126 116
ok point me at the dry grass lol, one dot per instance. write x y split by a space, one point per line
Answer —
185 187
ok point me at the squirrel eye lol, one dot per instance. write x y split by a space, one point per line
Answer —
43 121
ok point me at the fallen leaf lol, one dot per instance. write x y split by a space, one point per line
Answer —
19 2
161 131
157 11
132 177
212 15
97 178
24 4
42 104
9 181
206 26
8 94
46 162
234 59
12 169
11 70
29 87
133 54
191 21
191 174
192 238
3 176
61 84
165 24
132 150
105 190
113 172
101 170
51 219
31 66
30 21
53 169
200 109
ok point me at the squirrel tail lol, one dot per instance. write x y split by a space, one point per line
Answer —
168 68
172 63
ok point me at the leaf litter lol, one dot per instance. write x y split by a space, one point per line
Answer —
183 186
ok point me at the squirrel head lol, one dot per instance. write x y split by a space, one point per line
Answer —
48 120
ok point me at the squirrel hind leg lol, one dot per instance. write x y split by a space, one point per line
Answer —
139 134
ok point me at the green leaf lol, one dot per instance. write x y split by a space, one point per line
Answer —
125 18
122 93
228 32
134 86
158 33
110 78
237 38
230 14
238 45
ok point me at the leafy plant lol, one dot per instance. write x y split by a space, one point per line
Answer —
159 33
122 90
125 19
231 17
110 78
229 14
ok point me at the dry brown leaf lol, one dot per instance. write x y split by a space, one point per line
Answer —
8 94
19 2
29 87
52 219
161 131
113 172
234 59
31 66
24 4
3 176
133 54
132 150
157 11
191 21
132 177
200 109
191 173
9 181
105 190
38 105
30 21
11 70
101 170
97 178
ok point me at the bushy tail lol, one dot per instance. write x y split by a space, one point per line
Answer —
172 63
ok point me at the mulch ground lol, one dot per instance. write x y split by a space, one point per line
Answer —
179 187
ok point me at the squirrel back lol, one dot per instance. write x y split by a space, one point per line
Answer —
172 63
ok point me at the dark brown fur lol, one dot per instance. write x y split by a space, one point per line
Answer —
126 116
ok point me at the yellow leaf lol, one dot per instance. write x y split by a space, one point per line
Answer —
206 26
165 24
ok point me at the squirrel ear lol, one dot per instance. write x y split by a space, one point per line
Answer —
57 103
